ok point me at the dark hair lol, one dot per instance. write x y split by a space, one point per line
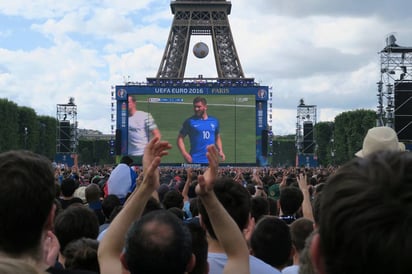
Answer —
152 205
162 190
27 193
126 160
199 247
93 193
316 207
273 207
271 241
109 203
234 198
68 187
366 215
200 99
194 206
158 243
81 254
58 190
172 198
260 207
251 188
177 211
290 200
299 231
74 223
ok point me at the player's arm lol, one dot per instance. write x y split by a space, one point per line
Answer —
182 148
156 133
219 146
151 124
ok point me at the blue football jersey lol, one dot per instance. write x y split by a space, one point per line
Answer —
201 134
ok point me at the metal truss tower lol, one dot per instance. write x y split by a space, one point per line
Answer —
305 121
395 69
66 130
200 17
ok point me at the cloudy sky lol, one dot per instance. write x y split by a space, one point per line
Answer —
325 52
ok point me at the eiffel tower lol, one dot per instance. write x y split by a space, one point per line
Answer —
200 17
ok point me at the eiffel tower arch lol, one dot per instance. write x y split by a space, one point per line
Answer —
200 17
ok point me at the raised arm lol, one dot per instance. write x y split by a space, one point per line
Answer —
227 231
306 205
260 192
185 191
110 248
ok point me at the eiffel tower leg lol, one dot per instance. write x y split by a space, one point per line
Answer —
174 59
200 18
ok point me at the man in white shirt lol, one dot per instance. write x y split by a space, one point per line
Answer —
237 202
142 128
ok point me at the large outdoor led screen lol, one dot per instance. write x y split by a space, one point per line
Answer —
240 112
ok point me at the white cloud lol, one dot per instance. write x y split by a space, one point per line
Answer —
324 52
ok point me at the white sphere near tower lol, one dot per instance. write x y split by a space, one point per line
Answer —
200 50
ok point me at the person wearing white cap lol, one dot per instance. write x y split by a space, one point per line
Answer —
380 138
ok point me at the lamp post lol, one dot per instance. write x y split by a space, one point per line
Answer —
26 134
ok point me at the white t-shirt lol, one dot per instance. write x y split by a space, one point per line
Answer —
217 262
293 269
140 125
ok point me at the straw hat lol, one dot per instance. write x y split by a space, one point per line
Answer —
380 138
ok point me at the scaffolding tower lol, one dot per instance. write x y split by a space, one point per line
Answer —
305 121
66 130
395 69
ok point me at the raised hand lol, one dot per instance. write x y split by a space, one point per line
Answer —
206 181
153 153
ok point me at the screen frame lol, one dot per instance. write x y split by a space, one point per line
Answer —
260 94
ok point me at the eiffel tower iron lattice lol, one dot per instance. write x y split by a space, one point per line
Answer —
200 17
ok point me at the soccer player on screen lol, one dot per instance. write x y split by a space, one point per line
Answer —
142 128
203 130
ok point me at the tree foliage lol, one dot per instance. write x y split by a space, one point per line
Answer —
324 141
21 128
9 115
283 151
350 129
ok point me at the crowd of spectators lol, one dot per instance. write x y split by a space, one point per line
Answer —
329 220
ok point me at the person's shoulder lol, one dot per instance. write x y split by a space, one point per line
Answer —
211 255
190 119
292 269
193 117
217 262
213 118
259 266
140 113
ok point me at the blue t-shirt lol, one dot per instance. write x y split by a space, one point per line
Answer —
201 134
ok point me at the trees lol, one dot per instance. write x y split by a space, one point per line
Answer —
21 128
325 142
349 131
338 141
9 117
